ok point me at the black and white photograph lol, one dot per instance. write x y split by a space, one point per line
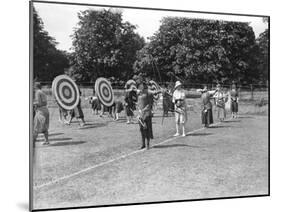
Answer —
135 105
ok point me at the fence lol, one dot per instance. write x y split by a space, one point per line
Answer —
249 93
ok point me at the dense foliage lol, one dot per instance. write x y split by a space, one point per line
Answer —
194 50
201 51
104 45
48 60
262 41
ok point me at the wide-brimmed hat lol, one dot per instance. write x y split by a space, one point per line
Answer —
178 83
205 89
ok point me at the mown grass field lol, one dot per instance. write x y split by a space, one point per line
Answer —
101 163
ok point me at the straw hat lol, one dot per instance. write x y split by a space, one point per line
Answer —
178 83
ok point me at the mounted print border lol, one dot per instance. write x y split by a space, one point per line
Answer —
135 105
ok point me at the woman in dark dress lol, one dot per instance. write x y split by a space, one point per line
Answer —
234 101
168 104
42 116
130 103
145 104
207 113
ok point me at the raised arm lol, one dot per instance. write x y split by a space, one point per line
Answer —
213 92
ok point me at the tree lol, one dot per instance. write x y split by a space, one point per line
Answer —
262 41
104 45
199 50
48 61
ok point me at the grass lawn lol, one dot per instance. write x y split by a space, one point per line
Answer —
229 159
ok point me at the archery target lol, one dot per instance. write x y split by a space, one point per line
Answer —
132 84
155 87
104 91
65 92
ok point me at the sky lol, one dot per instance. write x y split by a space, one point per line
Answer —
60 20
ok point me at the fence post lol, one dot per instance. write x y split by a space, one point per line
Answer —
252 92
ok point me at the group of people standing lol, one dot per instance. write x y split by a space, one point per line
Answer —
221 98
142 100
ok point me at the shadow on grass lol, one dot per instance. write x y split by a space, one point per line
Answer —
89 125
199 134
121 119
68 143
54 134
174 145
245 117
60 139
41 139
232 121
219 126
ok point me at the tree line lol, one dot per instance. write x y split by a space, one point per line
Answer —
194 50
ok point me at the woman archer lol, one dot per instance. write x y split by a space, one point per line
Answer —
220 100
206 113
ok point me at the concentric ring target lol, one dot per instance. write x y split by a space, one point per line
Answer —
132 84
156 87
65 92
104 91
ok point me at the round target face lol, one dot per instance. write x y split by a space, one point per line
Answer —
132 84
104 91
155 87
65 92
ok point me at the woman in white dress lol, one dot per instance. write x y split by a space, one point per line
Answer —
220 100
179 96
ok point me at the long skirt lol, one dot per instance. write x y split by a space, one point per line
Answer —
77 112
118 106
207 117
129 110
234 107
167 105
221 112
146 130
41 120
96 105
